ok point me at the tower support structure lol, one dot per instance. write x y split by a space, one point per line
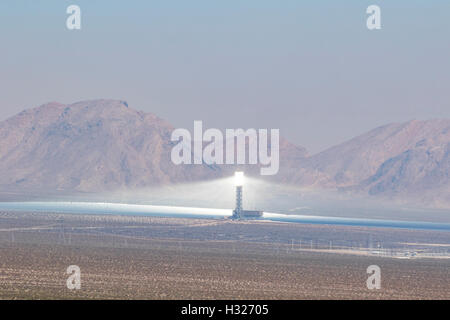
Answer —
238 209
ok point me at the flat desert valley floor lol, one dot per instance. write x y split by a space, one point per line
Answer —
124 257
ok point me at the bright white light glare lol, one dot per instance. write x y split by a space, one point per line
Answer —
238 178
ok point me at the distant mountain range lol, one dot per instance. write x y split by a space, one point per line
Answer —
404 161
89 146
100 145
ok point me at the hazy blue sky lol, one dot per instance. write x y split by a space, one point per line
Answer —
313 70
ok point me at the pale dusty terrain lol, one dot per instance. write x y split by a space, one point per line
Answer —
167 258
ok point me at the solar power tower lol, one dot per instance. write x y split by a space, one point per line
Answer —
239 212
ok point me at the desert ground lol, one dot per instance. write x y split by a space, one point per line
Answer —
125 257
